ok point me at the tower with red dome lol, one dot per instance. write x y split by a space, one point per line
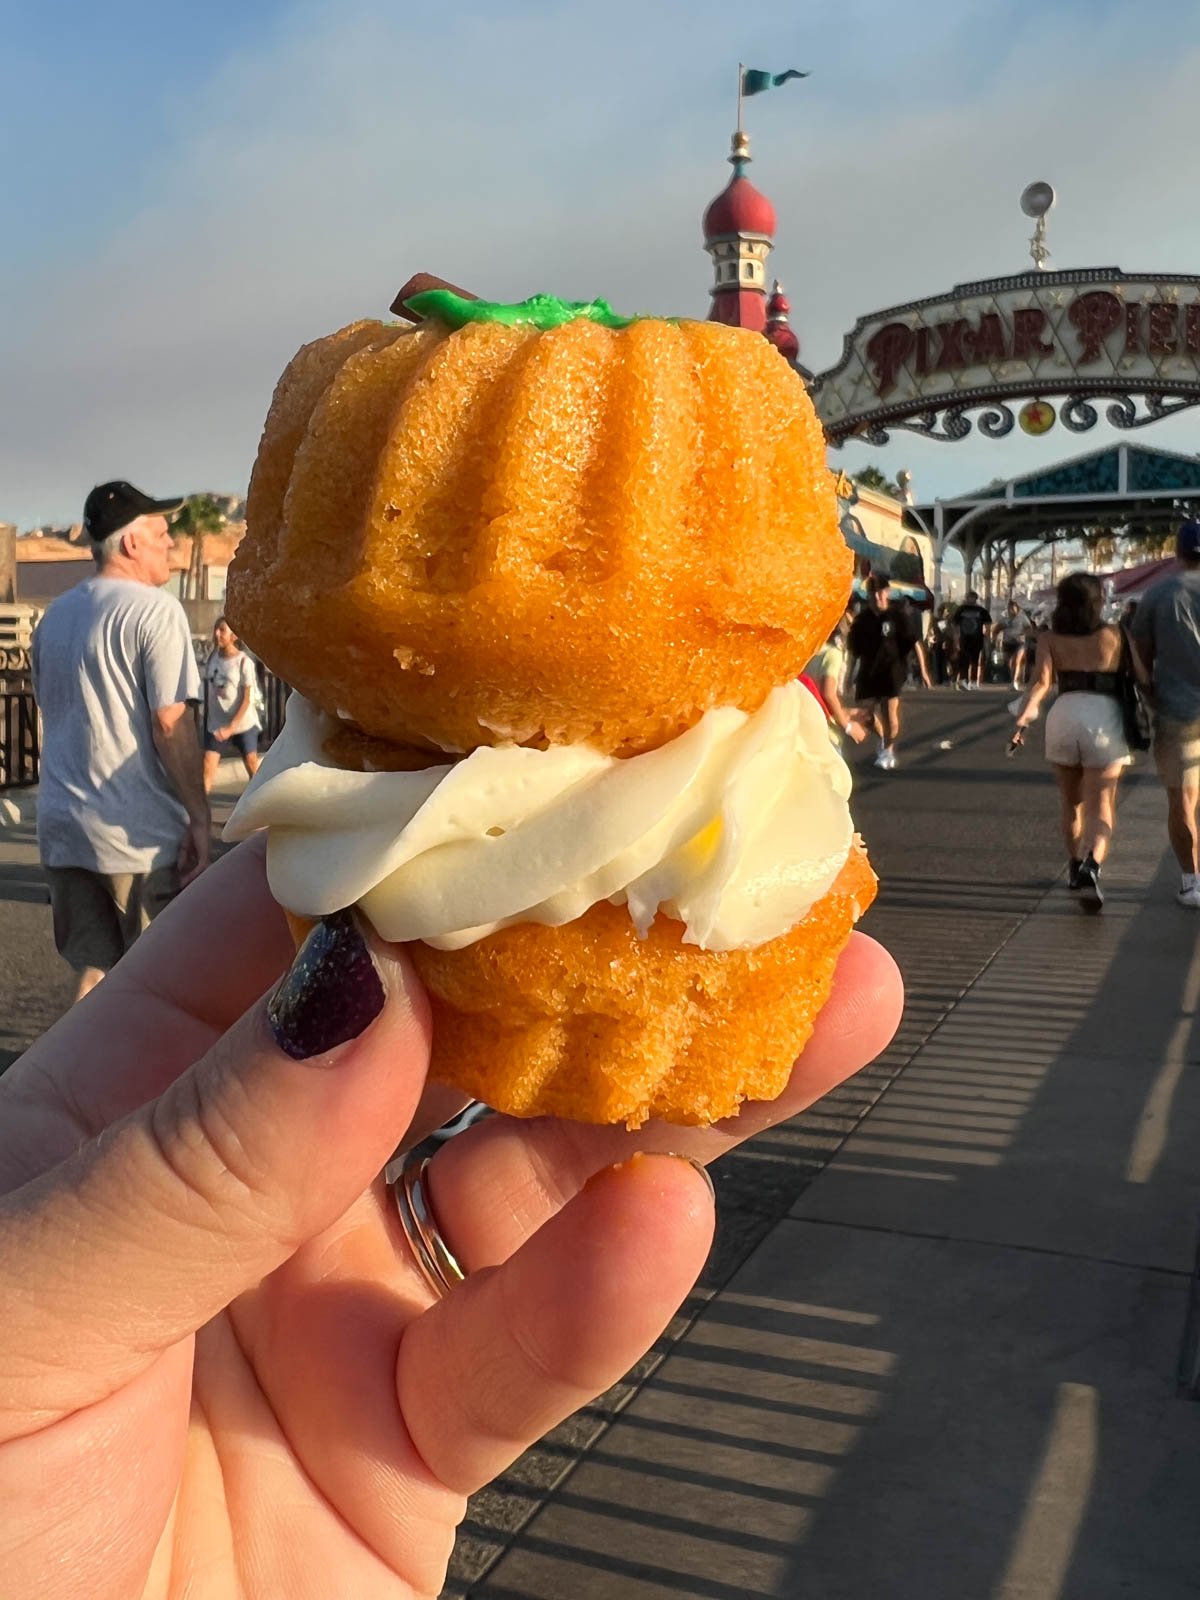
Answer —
739 231
739 234
779 330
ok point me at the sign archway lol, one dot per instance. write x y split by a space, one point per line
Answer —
1059 341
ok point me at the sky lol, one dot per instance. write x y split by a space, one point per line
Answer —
190 192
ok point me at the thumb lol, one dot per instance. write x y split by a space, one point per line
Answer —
148 1231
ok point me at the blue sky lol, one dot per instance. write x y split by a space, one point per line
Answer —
190 192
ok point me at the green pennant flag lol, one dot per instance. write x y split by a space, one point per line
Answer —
755 81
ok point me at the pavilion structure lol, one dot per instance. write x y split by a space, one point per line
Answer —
1119 488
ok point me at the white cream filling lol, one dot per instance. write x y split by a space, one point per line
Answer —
736 829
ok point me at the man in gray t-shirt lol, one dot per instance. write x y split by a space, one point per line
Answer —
1166 631
122 816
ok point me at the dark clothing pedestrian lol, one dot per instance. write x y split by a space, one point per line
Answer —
881 643
972 622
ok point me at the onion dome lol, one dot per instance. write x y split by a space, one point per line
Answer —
778 331
740 207
738 229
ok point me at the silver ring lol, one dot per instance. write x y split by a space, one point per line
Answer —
430 1251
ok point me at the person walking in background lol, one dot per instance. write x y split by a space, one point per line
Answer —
827 670
972 624
914 626
1085 728
1166 635
942 646
123 820
1012 631
880 642
231 712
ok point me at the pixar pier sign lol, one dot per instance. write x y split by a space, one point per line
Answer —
1041 334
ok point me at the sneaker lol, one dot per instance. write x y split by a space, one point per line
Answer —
1189 899
1091 896
468 1116
886 760
1073 871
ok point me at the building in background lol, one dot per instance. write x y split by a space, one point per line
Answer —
48 564
739 235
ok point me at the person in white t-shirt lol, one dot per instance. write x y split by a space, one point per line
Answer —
231 720
827 670
123 821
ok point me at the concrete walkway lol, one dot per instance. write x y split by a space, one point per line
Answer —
953 1371
35 986
935 1353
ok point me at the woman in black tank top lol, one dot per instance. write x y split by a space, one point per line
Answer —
1084 658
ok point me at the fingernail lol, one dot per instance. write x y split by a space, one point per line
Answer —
639 1156
331 991
700 1168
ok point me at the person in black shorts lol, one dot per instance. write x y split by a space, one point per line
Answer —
231 720
881 640
972 627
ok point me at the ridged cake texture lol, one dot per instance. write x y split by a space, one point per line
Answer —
499 534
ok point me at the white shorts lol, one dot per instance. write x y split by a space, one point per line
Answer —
1086 730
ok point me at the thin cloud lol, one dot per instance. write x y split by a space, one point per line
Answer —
304 182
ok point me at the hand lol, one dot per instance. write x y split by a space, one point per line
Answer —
195 850
856 732
222 1371
221 734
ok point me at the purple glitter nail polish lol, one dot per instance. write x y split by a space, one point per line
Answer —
330 993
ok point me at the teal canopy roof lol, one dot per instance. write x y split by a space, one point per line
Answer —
1120 483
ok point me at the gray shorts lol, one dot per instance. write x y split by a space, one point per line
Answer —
98 915
1177 753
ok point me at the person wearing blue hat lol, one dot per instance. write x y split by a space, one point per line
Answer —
1166 632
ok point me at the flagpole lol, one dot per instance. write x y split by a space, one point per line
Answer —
741 78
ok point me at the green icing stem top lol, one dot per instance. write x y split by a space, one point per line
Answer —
540 311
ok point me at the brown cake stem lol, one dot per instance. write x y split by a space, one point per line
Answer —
418 284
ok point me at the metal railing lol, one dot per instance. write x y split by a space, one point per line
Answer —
20 727
19 738
275 698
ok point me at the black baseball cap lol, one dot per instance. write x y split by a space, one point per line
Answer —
112 506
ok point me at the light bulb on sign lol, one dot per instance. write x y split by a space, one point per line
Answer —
1037 417
1036 201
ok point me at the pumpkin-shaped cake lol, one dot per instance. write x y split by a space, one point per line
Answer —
497 533
544 580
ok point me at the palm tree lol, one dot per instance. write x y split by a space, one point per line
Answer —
199 516
871 478
1151 543
1101 547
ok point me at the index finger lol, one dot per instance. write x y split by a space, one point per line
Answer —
499 1182
209 955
